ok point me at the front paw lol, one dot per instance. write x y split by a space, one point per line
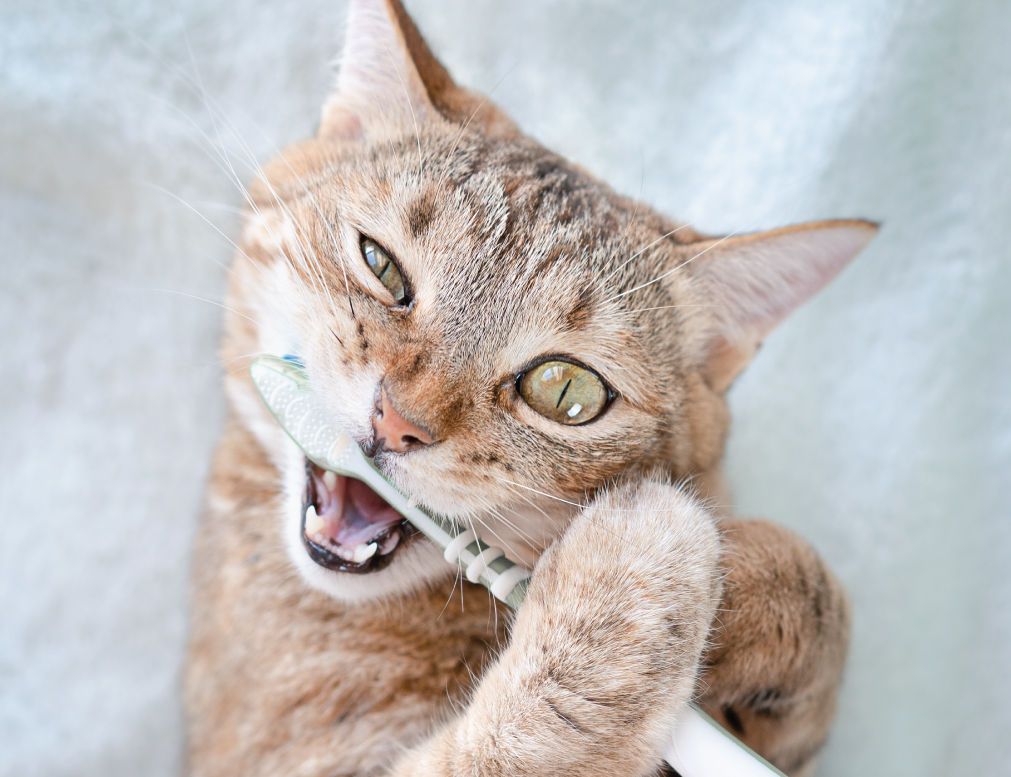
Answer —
617 614
604 649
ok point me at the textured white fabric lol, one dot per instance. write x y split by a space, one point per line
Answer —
875 422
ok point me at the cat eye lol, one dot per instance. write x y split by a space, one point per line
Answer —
385 269
564 392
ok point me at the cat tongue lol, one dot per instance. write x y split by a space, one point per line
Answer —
352 512
365 515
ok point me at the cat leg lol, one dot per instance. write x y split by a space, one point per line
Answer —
778 645
604 651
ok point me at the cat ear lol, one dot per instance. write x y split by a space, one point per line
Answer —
755 281
390 83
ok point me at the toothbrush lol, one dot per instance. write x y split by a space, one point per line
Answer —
285 388
700 747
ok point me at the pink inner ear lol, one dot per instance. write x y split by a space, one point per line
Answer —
378 89
340 124
759 279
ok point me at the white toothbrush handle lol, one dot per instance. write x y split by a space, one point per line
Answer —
701 747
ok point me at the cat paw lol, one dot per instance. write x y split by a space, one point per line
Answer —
617 614
604 650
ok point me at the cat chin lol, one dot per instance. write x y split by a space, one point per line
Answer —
415 564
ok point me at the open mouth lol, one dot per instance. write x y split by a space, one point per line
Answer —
346 526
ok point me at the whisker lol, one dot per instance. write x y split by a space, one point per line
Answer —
198 298
640 252
224 162
668 307
245 356
541 493
660 277
218 118
205 219
506 546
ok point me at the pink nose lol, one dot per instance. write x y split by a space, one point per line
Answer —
392 431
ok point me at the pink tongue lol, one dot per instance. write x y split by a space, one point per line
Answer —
364 516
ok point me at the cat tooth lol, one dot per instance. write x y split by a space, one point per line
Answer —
364 552
345 553
330 479
390 543
313 523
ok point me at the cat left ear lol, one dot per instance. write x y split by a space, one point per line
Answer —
390 83
755 281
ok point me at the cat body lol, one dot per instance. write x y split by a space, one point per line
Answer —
436 270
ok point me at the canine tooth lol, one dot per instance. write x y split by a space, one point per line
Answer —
390 543
313 523
330 479
364 552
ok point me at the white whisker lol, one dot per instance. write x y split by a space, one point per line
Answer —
209 301
660 277
668 307
637 254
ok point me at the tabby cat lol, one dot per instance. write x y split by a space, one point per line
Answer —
533 354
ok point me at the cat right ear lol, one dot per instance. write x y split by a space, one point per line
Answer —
390 83
755 281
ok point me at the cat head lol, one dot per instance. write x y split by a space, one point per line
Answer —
503 331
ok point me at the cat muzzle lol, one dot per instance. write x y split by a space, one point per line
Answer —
346 526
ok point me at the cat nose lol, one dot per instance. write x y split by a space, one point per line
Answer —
392 432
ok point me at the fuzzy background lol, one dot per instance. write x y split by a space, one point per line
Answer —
875 422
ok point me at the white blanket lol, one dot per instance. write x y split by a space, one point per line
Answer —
875 422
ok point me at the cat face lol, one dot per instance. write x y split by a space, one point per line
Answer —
501 330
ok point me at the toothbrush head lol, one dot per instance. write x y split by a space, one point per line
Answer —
284 386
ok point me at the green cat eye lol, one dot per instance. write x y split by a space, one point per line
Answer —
385 269
564 392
